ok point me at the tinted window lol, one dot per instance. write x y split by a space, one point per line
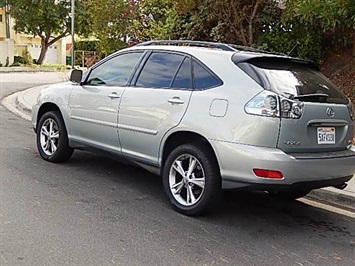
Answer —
203 79
292 80
116 71
159 70
183 77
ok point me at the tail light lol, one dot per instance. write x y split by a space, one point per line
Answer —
270 104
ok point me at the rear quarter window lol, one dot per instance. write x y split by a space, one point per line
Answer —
204 78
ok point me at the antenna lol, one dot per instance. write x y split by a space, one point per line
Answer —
293 48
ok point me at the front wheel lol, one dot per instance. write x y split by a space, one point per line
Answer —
191 179
52 138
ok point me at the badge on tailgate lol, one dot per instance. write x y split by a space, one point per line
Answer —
326 135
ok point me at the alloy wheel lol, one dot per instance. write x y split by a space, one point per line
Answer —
187 180
49 136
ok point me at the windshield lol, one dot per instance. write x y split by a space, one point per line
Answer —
294 80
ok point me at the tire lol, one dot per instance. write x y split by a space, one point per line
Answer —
289 195
199 192
52 138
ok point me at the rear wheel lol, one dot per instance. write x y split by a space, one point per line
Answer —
52 138
289 195
191 179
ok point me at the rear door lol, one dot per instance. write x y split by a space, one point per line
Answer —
156 102
324 123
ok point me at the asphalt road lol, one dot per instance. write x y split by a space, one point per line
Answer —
96 211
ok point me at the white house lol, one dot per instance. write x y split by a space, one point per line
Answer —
20 42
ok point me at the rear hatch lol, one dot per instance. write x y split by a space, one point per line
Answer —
315 115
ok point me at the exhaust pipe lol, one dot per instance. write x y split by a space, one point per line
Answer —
341 186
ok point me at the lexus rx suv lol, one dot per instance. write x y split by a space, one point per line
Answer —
206 117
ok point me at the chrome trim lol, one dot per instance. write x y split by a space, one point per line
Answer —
138 129
114 95
94 121
330 112
114 125
327 123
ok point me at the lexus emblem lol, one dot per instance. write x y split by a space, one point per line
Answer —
330 112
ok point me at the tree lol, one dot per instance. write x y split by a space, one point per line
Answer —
328 14
155 19
225 20
335 18
111 23
48 19
131 20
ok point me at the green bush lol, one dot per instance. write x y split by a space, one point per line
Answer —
18 60
15 64
86 45
24 59
307 44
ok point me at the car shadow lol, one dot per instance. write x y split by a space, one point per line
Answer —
256 211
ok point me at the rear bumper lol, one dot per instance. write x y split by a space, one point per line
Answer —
237 162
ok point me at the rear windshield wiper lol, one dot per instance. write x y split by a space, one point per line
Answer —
314 97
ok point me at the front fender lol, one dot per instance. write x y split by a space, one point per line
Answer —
58 95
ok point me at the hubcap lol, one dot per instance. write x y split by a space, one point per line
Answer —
49 136
187 180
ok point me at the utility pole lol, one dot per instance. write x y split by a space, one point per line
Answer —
72 32
7 19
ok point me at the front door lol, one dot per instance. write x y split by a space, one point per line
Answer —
94 105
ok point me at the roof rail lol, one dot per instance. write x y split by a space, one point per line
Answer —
221 46
216 45
251 49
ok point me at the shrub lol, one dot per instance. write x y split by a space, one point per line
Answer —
18 60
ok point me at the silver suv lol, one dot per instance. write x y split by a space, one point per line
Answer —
206 116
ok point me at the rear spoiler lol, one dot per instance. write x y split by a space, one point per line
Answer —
240 57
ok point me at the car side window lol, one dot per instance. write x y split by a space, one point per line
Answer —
183 77
204 79
116 71
159 70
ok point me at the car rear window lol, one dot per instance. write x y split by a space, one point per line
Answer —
293 80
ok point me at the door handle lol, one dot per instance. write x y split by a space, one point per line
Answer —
176 100
113 95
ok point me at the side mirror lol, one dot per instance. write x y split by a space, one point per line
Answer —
76 75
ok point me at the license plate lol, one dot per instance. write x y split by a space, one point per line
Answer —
326 135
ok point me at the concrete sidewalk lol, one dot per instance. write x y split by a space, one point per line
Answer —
21 104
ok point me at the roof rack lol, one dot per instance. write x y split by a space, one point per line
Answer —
221 46
216 45
251 49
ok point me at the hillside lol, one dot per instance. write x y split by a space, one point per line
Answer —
340 68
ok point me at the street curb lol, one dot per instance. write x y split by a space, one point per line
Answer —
25 69
20 102
22 106
341 200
